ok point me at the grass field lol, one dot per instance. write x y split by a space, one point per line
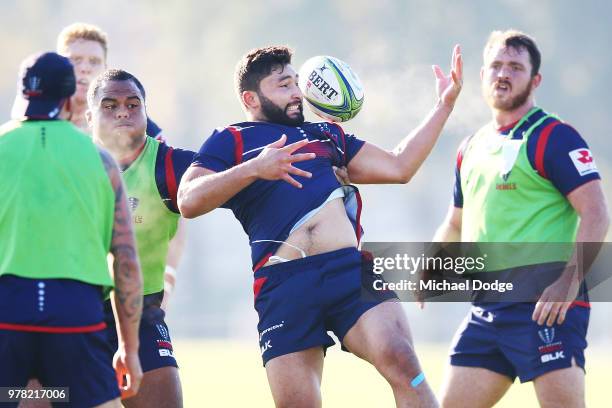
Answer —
229 374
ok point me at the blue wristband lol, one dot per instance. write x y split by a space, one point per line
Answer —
417 380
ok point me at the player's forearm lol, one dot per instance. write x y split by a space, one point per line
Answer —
176 246
203 194
447 233
175 252
127 297
412 151
591 233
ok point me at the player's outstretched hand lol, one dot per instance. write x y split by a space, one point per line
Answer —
449 86
128 371
275 162
556 300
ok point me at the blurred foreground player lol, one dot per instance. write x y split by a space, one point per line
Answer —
151 171
275 173
64 210
525 177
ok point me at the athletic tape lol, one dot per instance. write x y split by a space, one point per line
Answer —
417 380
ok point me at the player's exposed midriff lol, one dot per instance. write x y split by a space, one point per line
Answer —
329 230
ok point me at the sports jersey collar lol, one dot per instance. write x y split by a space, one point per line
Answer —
525 122
506 128
128 162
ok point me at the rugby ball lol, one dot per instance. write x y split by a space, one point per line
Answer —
331 89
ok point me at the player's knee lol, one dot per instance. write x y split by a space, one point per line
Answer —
396 360
298 400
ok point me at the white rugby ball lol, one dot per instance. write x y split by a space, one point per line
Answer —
331 89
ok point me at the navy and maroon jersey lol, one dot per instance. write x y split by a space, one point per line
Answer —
170 165
153 130
555 150
266 209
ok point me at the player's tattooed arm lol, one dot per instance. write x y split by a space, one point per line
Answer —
127 297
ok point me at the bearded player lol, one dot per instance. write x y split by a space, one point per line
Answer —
275 173
525 177
151 171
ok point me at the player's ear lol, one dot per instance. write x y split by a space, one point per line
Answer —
89 117
482 72
536 80
250 100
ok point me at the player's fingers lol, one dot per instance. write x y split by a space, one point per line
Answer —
459 67
537 310
456 79
119 374
552 315
131 386
128 389
301 157
291 181
437 71
544 312
299 172
279 143
563 312
290 148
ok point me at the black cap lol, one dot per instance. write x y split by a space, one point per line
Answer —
45 81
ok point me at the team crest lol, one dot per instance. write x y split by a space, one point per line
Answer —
163 331
547 335
133 202
33 86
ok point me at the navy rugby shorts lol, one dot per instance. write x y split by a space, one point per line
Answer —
299 301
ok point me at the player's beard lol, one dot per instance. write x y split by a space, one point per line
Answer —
511 104
275 114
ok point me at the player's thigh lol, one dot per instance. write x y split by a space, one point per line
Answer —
379 332
83 363
295 378
472 387
34 384
160 388
561 388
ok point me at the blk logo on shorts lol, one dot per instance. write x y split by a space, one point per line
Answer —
266 346
550 351
165 348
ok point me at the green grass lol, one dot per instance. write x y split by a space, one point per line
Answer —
230 374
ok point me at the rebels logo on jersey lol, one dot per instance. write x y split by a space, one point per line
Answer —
583 160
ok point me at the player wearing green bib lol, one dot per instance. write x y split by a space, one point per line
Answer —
63 211
527 180
151 171
86 46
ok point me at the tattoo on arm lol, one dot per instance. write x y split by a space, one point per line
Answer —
126 268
